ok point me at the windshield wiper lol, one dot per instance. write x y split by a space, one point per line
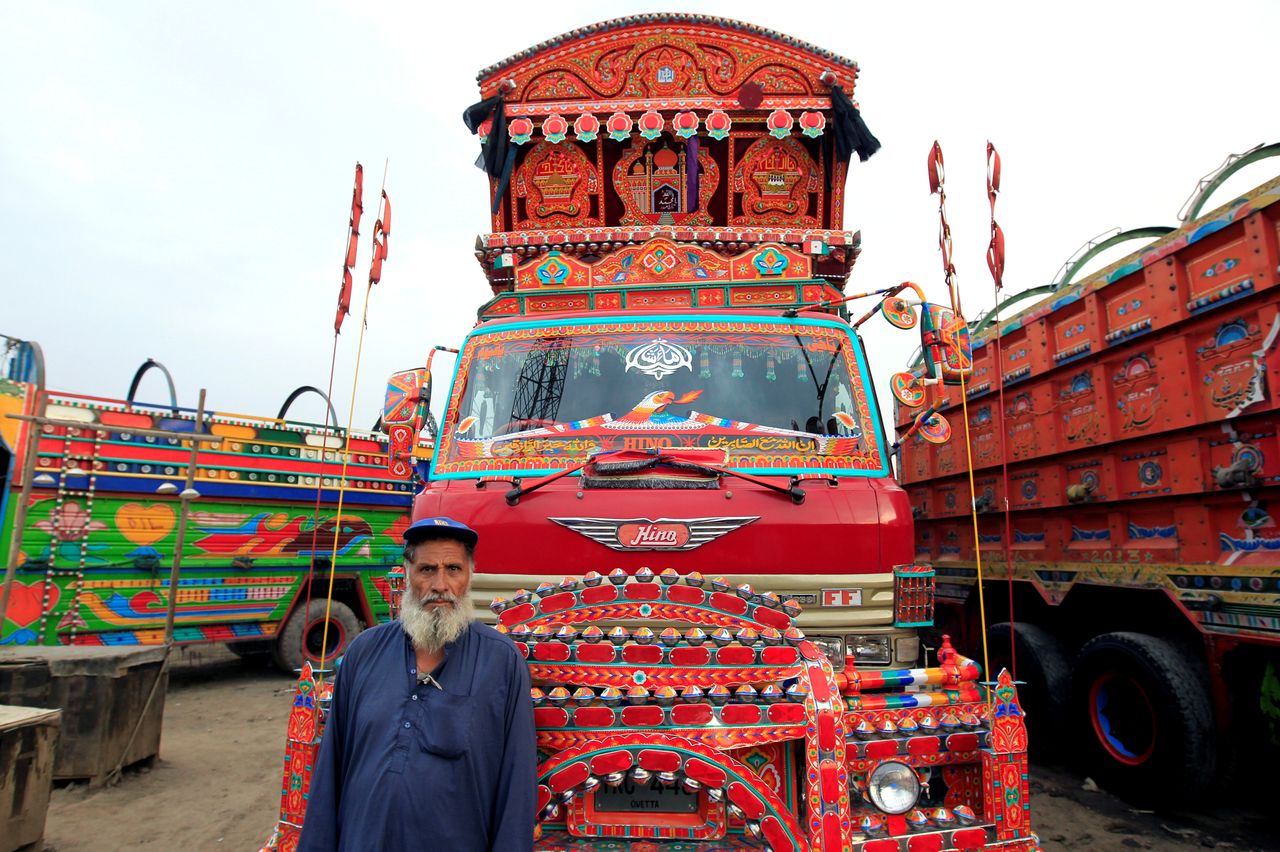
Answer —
513 496
681 462
792 490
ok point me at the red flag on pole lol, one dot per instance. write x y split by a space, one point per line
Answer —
352 242
995 249
381 231
344 300
353 238
357 202
386 215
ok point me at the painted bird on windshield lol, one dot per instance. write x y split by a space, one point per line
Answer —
651 408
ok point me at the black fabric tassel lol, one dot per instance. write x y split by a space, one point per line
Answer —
493 156
627 466
852 133
504 177
648 482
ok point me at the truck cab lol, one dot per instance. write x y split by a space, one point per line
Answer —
743 445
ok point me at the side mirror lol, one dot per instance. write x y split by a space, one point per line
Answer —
403 408
908 389
408 395
944 339
898 312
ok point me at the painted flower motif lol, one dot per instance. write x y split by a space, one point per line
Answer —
483 131
685 124
73 524
718 124
651 124
554 128
619 126
812 123
586 127
780 123
520 130
771 262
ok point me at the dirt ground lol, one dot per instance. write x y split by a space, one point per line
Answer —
217 783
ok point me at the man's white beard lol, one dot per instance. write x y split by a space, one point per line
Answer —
429 627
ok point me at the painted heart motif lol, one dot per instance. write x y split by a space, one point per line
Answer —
145 525
24 605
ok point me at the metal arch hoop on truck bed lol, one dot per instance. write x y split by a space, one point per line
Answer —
297 392
149 364
1092 250
1214 180
1070 269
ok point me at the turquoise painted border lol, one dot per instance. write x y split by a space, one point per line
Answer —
868 386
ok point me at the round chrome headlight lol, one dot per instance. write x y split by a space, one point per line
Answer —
893 787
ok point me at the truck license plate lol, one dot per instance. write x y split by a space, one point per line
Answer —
842 597
650 796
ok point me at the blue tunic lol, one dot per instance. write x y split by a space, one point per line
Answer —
406 765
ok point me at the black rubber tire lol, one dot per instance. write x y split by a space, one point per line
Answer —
343 628
1044 672
1161 719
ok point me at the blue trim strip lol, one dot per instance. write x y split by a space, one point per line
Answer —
1127 336
1234 297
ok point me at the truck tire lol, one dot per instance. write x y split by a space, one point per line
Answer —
1144 721
1044 675
343 627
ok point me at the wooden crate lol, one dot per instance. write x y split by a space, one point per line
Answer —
28 742
103 694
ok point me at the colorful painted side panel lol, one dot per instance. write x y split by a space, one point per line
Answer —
103 517
102 569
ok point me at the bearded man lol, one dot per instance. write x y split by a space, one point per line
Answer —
430 740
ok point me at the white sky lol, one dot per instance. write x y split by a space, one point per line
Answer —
175 177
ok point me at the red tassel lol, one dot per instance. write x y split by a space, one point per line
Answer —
353 238
357 199
379 253
936 175
351 249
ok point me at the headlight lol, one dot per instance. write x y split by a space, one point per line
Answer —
833 647
869 649
893 787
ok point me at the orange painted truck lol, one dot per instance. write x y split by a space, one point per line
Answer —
1128 423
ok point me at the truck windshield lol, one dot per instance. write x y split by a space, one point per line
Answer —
777 397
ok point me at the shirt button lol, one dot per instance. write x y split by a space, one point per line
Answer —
406 724
413 671
414 696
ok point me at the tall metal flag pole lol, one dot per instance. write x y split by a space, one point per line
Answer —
995 263
344 308
381 234
937 181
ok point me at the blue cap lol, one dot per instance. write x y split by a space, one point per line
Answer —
442 527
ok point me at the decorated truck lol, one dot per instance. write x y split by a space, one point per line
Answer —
1123 431
97 507
664 427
